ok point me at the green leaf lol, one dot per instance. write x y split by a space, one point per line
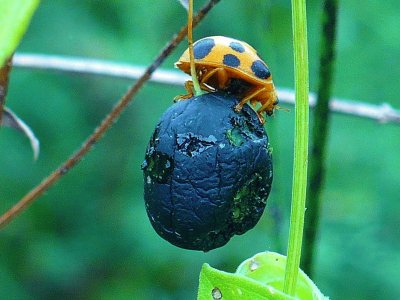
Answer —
258 278
269 268
14 20
215 285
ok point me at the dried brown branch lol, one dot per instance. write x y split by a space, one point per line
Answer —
382 113
4 73
104 125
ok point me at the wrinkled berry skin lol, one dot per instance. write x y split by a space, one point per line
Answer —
207 172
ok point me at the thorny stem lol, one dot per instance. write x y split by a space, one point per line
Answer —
106 123
320 133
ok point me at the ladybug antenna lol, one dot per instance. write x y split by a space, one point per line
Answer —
278 107
195 81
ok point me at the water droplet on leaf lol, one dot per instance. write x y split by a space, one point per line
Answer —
254 265
216 294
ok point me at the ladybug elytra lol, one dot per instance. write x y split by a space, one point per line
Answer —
222 62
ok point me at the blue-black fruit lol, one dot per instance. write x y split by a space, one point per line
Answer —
207 172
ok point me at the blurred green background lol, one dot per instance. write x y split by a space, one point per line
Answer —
89 237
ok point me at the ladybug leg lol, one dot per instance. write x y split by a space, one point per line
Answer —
270 104
208 75
222 77
189 89
260 118
249 97
206 88
203 85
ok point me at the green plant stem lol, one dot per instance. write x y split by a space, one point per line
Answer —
299 21
195 81
320 129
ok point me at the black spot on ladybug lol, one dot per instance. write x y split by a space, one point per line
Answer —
238 47
260 69
203 47
231 60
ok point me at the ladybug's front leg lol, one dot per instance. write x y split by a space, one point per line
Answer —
249 97
220 80
189 89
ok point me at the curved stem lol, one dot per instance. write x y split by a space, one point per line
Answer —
300 146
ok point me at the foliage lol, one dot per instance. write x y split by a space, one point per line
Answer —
15 18
257 278
14 21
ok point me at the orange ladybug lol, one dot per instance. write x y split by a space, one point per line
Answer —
234 66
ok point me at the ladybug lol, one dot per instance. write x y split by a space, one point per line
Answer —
230 65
